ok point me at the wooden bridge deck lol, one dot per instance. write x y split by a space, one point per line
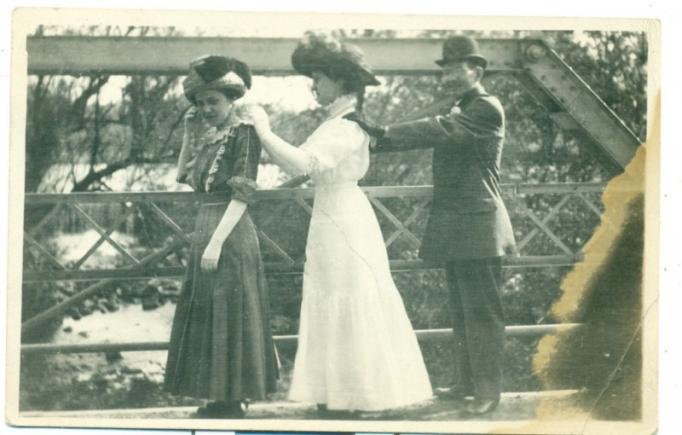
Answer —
560 404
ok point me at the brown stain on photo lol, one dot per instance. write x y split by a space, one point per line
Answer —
605 294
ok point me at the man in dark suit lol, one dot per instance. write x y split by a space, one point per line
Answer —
468 230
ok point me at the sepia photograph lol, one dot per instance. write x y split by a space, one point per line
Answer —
333 222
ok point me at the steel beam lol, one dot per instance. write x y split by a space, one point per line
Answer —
270 56
585 113
573 104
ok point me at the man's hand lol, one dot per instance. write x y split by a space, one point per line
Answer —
375 131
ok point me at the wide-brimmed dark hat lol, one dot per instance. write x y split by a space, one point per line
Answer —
212 72
324 53
459 48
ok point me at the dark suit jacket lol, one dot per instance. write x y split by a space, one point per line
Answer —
468 218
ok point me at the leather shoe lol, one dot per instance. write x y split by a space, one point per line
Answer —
482 406
452 393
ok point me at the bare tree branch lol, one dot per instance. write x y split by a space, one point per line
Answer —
80 104
97 140
97 176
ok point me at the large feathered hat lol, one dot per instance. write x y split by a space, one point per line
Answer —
219 73
324 53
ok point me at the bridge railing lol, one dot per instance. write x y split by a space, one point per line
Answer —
541 215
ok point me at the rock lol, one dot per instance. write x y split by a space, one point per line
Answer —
111 305
150 295
151 302
156 378
141 392
130 370
169 288
67 329
82 377
113 356
83 334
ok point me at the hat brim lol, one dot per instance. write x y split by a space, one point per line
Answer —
217 73
306 63
192 86
482 61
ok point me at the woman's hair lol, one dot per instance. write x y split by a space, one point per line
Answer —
351 84
230 94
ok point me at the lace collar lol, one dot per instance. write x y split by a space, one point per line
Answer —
221 135
342 105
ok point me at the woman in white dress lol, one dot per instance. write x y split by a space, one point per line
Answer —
357 350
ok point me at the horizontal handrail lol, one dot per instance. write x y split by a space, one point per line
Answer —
271 268
423 335
291 193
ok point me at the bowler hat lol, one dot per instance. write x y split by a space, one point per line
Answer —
459 48
320 52
219 73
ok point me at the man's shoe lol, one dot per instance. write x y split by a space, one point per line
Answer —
452 393
482 406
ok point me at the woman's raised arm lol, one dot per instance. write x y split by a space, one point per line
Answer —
292 159
191 126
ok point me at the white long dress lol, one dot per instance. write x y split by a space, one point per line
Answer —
356 348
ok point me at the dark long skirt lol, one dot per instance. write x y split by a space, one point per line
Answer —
221 344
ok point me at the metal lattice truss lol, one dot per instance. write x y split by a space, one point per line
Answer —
397 229
401 231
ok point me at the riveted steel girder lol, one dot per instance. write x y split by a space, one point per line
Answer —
573 105
570 101
154 55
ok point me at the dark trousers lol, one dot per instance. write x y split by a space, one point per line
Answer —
478 325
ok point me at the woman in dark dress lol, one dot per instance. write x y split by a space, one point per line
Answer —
221 346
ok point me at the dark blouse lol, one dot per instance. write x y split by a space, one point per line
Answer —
227 162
